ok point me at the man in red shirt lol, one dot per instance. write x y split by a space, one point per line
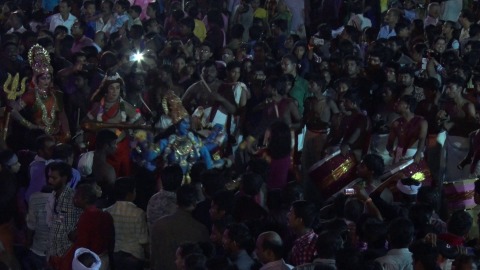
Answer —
300 219
95 229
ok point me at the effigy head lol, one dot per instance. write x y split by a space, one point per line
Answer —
39 60
173 107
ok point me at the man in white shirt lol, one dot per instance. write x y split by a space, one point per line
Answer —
269 250
64 17
400 235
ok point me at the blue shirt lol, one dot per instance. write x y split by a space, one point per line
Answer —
386 32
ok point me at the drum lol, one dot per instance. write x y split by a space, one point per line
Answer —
333 173
459 194
405 169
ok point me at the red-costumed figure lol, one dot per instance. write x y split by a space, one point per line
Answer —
41 106
111 108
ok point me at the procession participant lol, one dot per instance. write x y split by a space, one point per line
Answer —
41 107
458 119
111 108
410 132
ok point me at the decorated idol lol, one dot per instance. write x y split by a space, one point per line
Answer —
110 110
182 147
41 106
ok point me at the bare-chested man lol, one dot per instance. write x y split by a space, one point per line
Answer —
409 132
278 105
104 173
319 111
198 94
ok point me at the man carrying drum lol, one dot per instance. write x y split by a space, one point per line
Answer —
409 132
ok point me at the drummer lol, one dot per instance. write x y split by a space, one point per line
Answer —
409 132
356 127
369 170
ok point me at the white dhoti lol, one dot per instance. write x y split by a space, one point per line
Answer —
454 151
379 147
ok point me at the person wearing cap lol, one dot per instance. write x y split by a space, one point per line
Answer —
458 227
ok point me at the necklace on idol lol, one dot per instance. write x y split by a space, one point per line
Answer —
48 120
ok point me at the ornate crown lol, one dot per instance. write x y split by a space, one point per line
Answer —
173 107
39 60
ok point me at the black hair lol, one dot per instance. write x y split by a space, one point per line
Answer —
374 163
224 200
420 215
88 3
5 156
459 223
400 232
456 80
354 97
63 169
124 186
195 261
87 192
374 232
172 177
136 8
187 196
292 58
104 137
426 254
251 183
281 23
281 83
196 171
212 181
429 196
349 259
328 244
410 101
306 211
188 248
468 14
62 151
41 141
188 22
237 31
124 4
234 64
239 233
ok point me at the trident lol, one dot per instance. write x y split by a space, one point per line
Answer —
10 87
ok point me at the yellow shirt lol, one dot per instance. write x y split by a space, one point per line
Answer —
260 13
200 30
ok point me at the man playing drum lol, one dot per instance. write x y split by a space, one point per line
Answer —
409 132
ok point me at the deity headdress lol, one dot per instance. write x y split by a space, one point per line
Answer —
39 60
173 107
107 81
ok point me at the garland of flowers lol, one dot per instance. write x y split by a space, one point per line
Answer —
101 110
48 121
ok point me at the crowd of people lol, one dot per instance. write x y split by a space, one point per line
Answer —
239 134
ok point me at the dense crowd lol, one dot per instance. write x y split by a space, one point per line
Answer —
239 134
